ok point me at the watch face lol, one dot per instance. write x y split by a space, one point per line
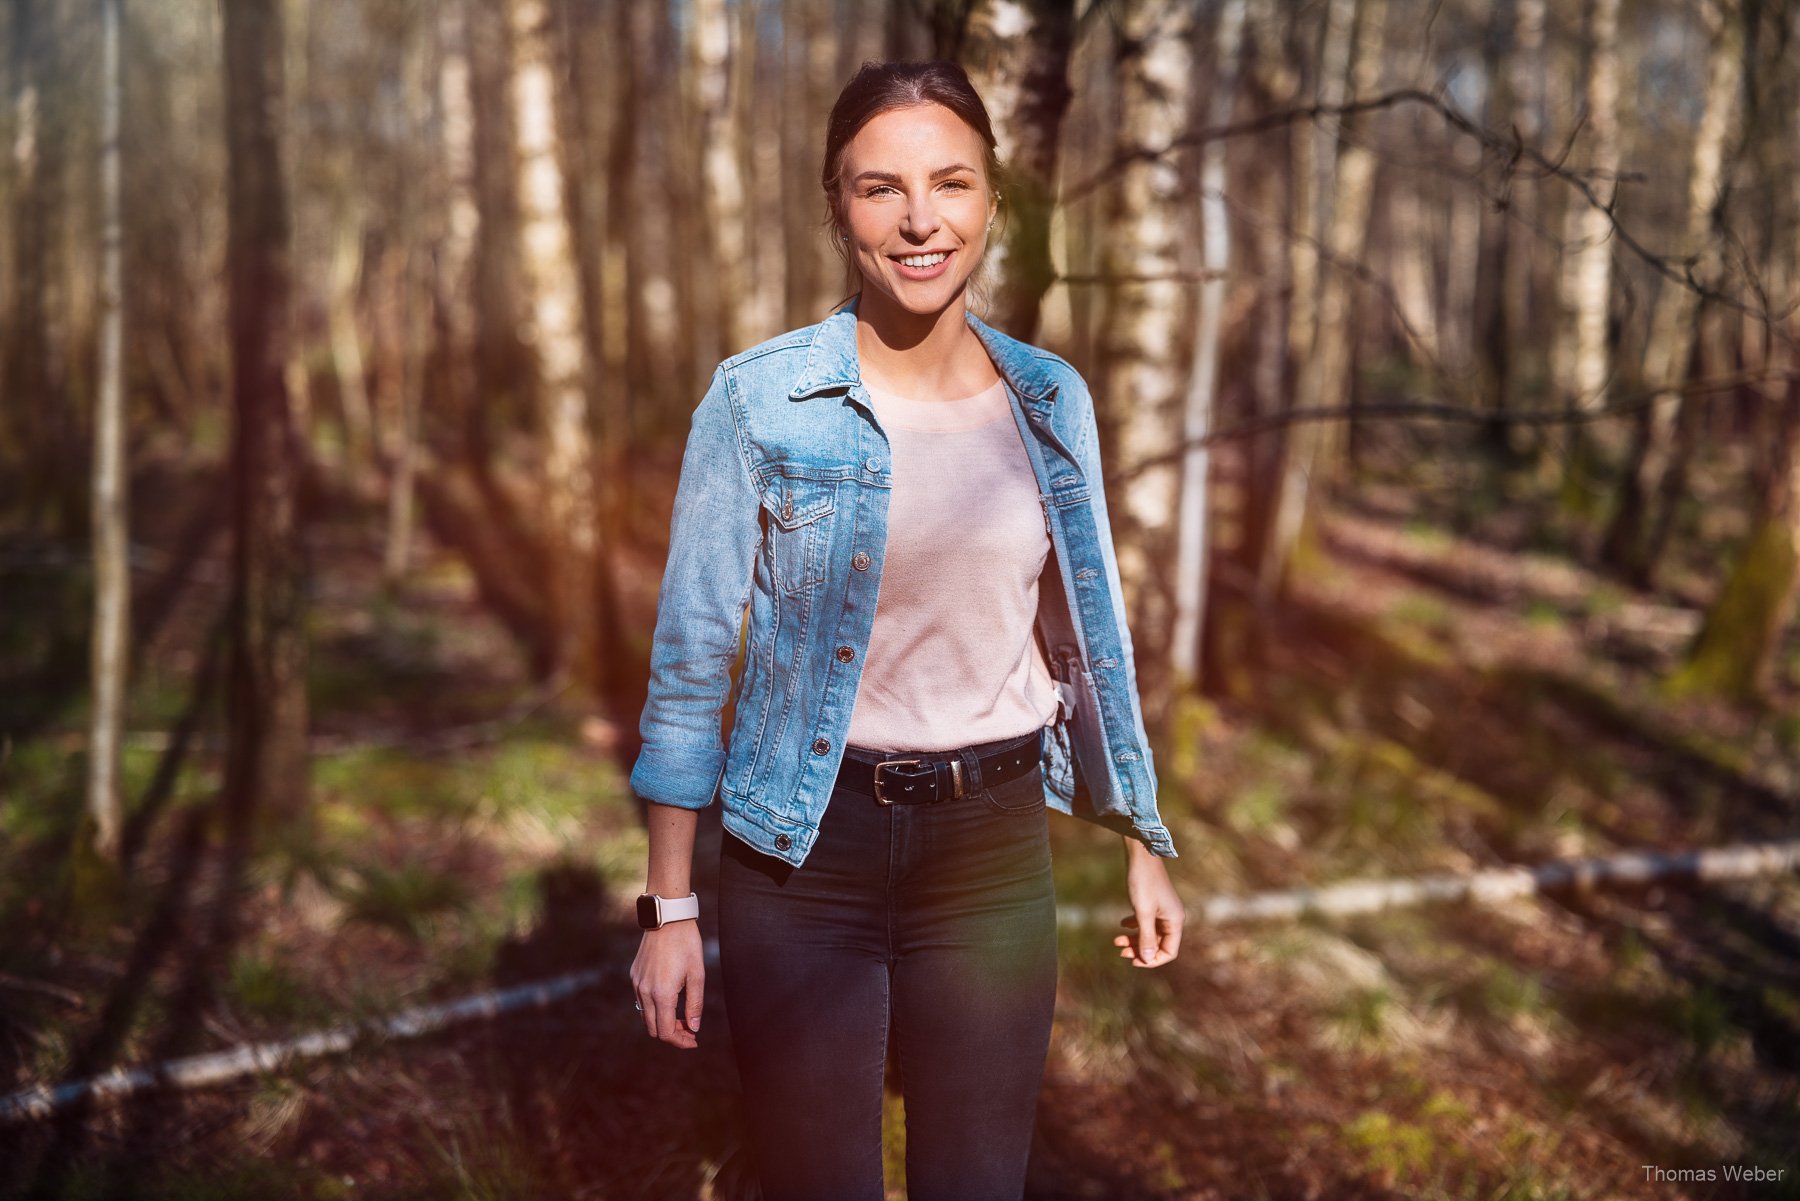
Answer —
647 915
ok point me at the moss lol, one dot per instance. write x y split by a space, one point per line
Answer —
1731 654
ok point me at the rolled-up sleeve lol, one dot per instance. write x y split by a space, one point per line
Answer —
714 536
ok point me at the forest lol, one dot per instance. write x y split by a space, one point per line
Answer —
1446 360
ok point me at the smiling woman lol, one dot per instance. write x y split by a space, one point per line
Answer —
910 504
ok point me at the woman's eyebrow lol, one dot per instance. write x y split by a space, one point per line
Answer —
890 177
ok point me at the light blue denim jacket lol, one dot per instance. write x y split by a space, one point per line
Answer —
783 505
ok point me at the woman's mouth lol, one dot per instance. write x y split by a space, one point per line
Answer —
922 266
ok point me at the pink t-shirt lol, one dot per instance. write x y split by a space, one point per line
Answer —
952 660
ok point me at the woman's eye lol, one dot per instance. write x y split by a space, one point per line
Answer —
879 188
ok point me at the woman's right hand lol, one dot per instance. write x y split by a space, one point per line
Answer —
670 961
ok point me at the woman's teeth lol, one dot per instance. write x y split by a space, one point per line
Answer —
925 260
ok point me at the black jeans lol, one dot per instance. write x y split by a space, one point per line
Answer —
933 924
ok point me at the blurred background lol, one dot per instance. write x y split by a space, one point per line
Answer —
1445 356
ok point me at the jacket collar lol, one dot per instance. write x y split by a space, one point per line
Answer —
831 358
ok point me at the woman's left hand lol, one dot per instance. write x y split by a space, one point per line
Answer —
1156 914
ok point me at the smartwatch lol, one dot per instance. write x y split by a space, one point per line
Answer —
654 912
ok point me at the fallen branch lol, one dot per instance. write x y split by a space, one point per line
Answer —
221 1067
1488 887
1337 900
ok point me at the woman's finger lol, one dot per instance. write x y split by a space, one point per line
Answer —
696 994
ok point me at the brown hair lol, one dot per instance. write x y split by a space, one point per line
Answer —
878 87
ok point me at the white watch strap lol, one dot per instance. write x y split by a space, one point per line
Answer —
674 909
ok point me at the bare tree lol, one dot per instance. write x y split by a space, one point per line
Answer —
1674 321
557 339
266 757
1140 339
112 567
1588 280
1017 52
1325 371
1192 526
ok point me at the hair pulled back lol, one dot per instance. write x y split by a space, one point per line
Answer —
879 87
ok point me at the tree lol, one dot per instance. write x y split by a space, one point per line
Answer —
266 755
1017 54
1141 383
1197 415
112 565
1325 368
1627 548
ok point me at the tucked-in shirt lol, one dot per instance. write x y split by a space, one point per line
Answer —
952 660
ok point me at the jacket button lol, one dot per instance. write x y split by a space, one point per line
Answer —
860 560
783 842
821 746
845 654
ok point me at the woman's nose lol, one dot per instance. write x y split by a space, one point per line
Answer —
921 216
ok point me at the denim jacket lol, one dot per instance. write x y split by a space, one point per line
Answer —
782 505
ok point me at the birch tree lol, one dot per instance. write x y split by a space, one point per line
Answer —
1203 381
112 567
1587 279
1017 54
555 336
722 173
1674 320
1324 376
1140 339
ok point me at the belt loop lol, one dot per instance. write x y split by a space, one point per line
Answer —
971 770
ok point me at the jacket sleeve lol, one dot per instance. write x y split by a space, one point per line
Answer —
714 537
1087 453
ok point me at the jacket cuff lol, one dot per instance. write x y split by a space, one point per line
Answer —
685 778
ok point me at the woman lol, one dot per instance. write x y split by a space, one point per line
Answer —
910 504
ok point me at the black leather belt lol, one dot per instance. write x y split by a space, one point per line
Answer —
926 777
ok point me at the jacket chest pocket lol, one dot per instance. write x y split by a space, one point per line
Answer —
797 511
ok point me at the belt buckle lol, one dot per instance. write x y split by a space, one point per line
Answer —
879 799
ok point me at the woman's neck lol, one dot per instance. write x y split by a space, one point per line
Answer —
919 354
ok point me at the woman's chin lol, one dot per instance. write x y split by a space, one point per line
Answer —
923 299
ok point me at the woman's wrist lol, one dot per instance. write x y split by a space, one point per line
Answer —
1137 850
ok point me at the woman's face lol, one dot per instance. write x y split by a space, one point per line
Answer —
916 204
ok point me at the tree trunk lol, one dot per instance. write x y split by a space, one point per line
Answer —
112 567
1192 528
1526 67
809 86
1587 277
1314 166
756 71
421 238
555 298
33 342
346 344
1325 371
1735 652
1673 322
1017 53
1141 340
1276 83
266 759
502 364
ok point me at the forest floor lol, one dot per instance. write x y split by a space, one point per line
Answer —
1443 695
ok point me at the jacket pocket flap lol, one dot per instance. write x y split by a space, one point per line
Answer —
794 502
